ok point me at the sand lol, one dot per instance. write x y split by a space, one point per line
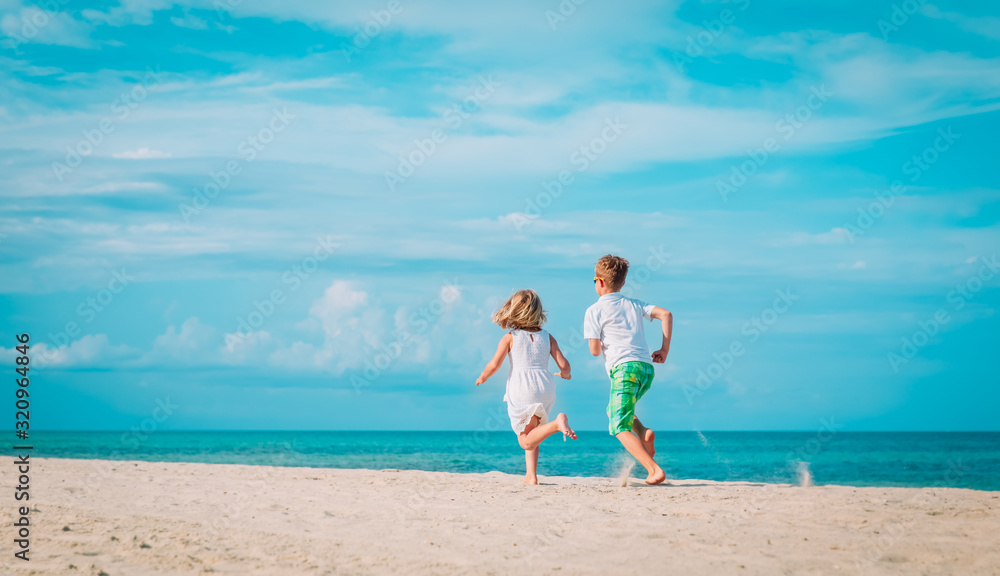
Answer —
134 518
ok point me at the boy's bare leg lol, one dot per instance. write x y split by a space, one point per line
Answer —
531 465
636 449
533 434
647 436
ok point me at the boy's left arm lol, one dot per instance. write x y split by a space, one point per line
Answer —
667 321
595 347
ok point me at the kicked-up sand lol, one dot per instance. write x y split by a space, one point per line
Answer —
92 517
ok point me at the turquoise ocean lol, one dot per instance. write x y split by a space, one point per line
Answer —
923 459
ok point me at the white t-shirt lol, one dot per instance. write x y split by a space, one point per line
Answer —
617 321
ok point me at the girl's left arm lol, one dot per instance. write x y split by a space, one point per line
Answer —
502 349
561 360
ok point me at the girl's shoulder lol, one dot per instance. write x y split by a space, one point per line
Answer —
530 334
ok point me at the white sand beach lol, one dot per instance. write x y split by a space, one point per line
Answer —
92 517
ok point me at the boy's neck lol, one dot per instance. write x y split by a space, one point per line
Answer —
605 291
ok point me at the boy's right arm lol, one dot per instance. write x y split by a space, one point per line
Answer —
494 364
667 321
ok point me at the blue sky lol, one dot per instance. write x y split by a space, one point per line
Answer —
302 214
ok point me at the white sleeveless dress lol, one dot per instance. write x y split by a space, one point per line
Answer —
531 388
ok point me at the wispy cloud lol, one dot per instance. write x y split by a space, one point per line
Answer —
988 26
141 154
525 191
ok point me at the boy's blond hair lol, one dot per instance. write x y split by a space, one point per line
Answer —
522 311
613 269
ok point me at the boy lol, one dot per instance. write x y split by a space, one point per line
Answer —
613 325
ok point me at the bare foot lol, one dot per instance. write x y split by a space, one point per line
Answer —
648 442
531 480
563 423
656 476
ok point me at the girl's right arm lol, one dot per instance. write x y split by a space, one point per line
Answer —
502 349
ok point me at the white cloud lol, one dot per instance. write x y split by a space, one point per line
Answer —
90 351
34 25
250 349
353 325
362 337
884 89
194 343
912 87
113 186
892 86
189 21
988 26
7 355
128 12
834 236
735 387
336 308
141 154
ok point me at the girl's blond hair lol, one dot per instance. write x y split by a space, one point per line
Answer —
522 311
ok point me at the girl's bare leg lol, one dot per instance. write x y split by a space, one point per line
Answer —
531 465
530 452
533 434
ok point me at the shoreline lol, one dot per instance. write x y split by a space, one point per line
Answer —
137 517
813 482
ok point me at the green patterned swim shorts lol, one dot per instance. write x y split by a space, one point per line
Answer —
629 381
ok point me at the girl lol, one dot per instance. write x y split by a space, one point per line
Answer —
531 389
